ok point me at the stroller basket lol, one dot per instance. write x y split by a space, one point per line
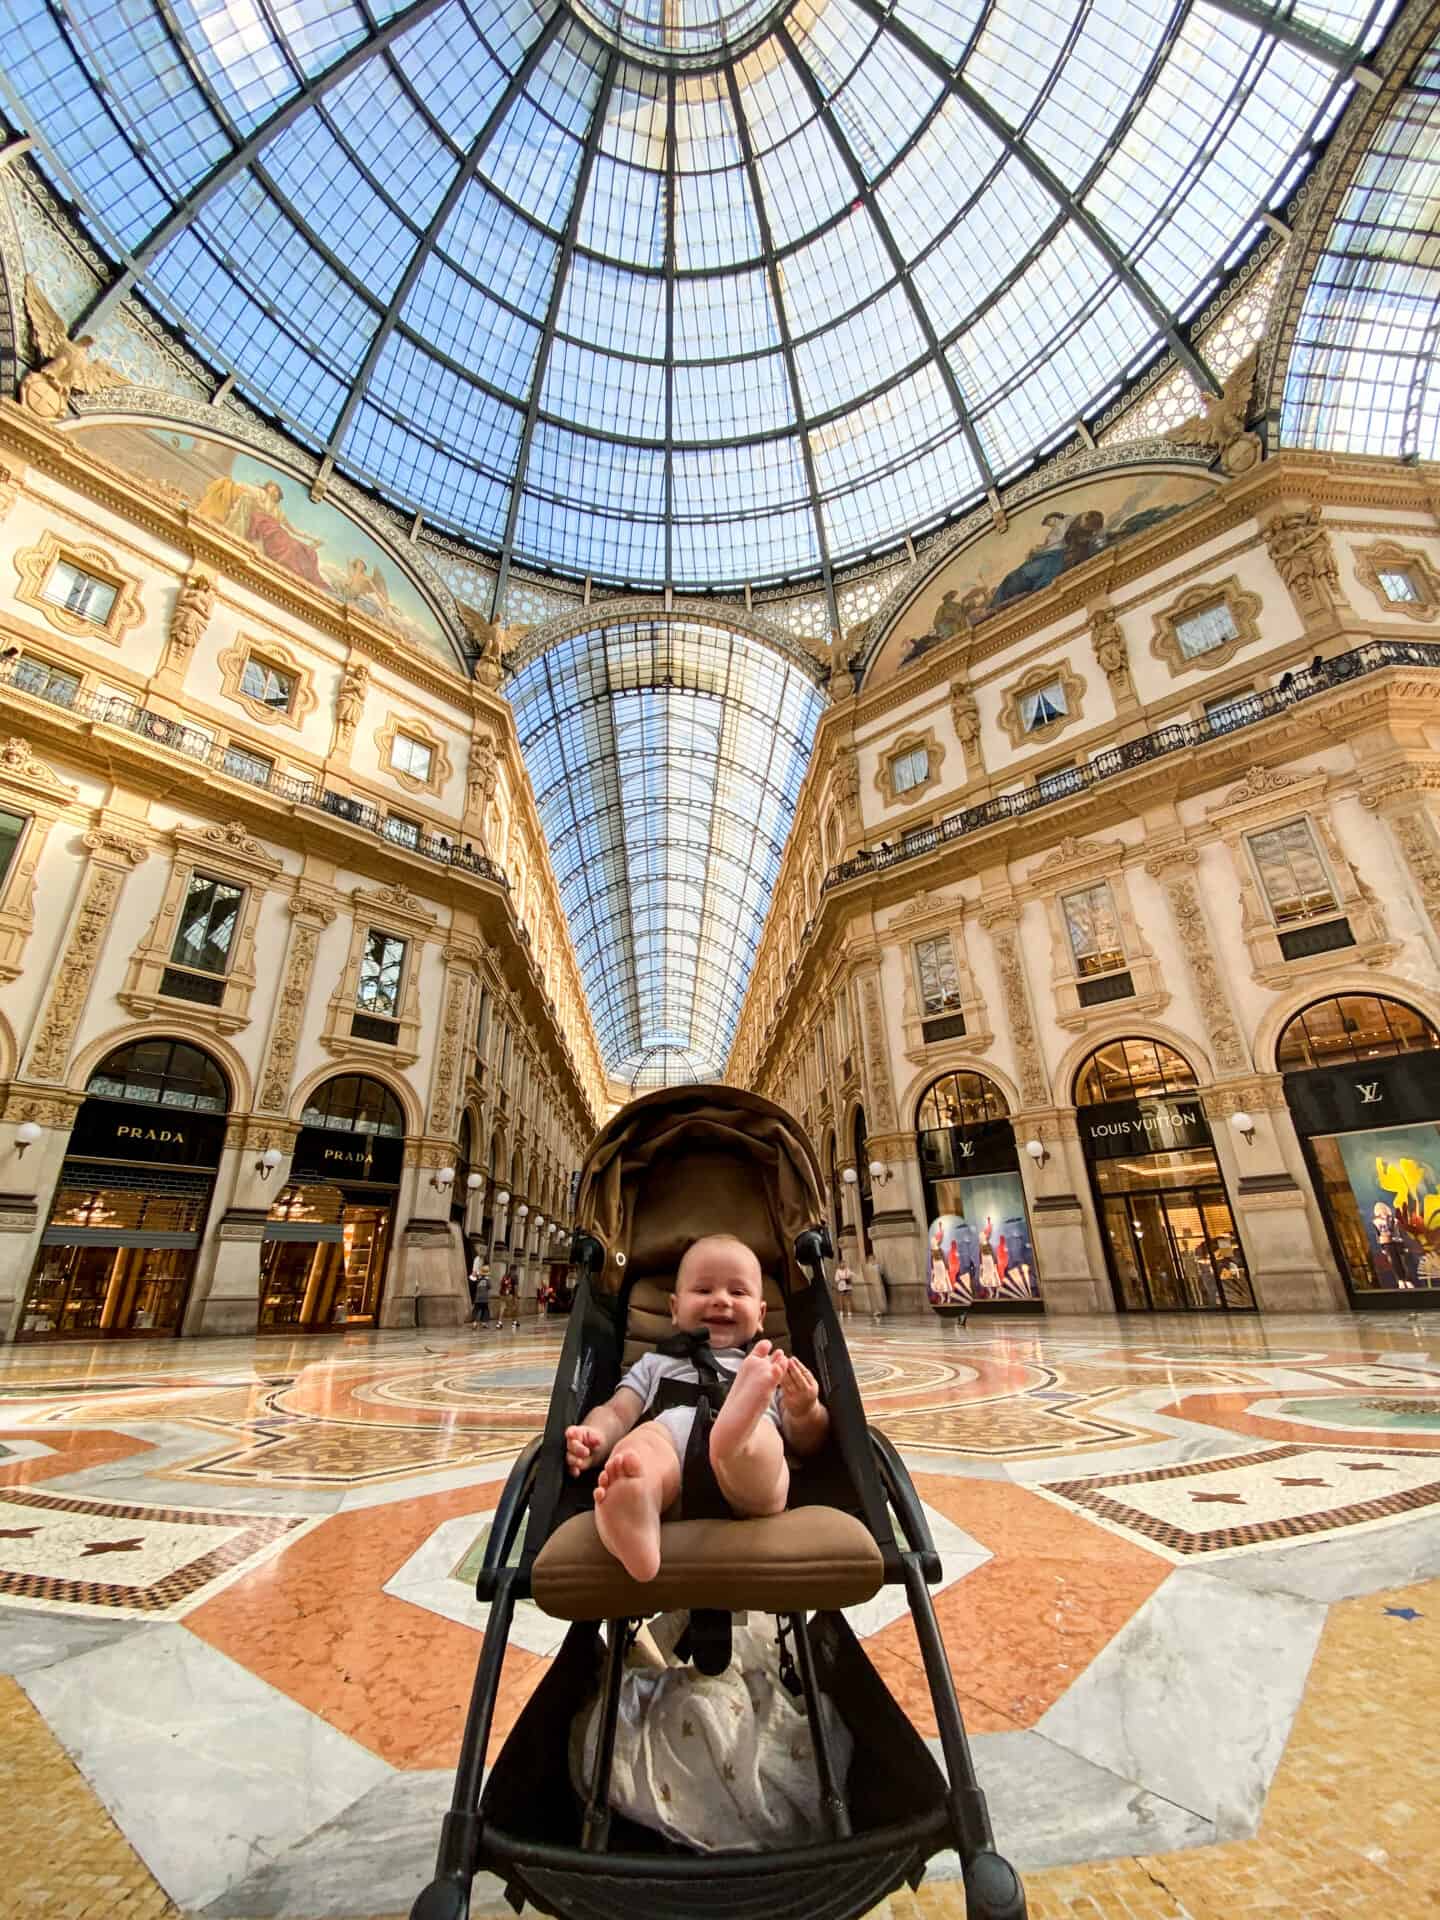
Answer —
669 1168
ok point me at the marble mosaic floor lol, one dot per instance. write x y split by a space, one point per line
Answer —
236 1584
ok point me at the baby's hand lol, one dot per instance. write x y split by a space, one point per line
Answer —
799 1390
581 1446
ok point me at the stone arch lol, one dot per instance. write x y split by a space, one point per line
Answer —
936 1069
601 614
9 1050
1075 1056
193 1034
1365 981
394 1082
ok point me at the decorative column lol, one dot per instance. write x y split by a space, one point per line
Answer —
1277 1215
430 1288
117 845
1401 797
1068 1250
1002 923
1174 867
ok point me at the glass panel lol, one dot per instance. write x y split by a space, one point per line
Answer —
168 1073
47 682
1399 584
1356 1027
1094 929
907 770
244 765
272 686
1132 1069
381 966
1291 871
1226 1257
1387 1211
1156 1252
961 1100
79 593
1193 1263
354 1103
12 826
411 756
1119 1231
209 915
1206 629
939 982
1045 704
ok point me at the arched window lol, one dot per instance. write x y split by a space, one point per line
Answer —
162 1073
1132 1069
1351 1027
960 1100
354 1103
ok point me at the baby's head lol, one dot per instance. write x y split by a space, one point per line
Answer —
719 1285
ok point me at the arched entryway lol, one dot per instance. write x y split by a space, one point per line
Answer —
1165 1215
118 1251
1362 1080
327 1239
981 1250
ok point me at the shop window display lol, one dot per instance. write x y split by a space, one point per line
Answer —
980 1247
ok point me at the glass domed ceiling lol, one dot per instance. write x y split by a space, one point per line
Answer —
679 291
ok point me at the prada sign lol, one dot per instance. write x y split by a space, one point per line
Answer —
165 1136
1125 1127
374 1159
1377 1093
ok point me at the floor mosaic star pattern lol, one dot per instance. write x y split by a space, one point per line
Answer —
1136 1523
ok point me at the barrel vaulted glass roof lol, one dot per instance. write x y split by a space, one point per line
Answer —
679 291
666 759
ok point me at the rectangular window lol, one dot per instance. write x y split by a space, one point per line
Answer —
405 833
271 686
909 770
1044 704
1093 927
244 765
1205 629
505 1055
80 593
381 967
482 1025
408 755
1296 883
12 828
936 975
205 932
1400 585
37 676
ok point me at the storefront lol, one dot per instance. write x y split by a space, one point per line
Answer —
1362 1080
327 1239
130 1206
1164 1213
981 1250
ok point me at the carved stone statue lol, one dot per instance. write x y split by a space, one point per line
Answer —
847 779
481 774
194 604
66 366
489 638
1303 557
965 716
350 702
1221 422
1111 651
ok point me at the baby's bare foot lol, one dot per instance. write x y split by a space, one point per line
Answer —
627 1515
749 1398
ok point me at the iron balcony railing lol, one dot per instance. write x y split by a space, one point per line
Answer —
113 710
1244 711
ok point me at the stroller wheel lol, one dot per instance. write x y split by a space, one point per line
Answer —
442 1900
993 1890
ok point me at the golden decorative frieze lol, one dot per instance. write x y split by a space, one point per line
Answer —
50 1054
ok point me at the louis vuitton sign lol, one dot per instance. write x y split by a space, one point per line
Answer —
1374 1093
1121 1127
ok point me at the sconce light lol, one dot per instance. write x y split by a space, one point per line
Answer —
443 1179
1244 1125
1036 1151
502 1199
26 1134
474 1182
268 1162
540 1222
879 1172
522 1210
849 1176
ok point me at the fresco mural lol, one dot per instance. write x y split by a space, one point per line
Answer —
272 512
1043 541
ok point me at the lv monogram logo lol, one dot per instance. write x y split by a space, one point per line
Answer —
1369 1092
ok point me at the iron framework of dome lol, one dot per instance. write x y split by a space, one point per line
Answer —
683 292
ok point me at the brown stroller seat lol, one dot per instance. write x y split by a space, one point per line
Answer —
667 1169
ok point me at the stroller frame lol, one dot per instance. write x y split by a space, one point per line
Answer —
837 1879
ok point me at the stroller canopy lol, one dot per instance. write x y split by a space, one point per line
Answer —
687 1161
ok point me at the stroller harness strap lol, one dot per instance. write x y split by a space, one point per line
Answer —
700 1495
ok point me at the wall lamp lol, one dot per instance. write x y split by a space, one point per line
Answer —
1244 1125
268 1162
474 1182
1036 1151
502 1199
26 1134
443 1179
849 1176
522 1210
879 1173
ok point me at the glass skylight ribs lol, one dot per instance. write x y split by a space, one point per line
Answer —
1089 96
499 251
606 307
244 67
397 147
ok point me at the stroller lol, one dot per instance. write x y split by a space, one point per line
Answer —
669 1168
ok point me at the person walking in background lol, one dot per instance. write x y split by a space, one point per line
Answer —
480 1291
845 1289
510 1298
874 1289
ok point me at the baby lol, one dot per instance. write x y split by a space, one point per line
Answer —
773 1402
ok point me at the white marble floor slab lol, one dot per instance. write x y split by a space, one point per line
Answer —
1204 1733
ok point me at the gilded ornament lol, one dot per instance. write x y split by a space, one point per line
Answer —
76 971
1220 423
66 366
